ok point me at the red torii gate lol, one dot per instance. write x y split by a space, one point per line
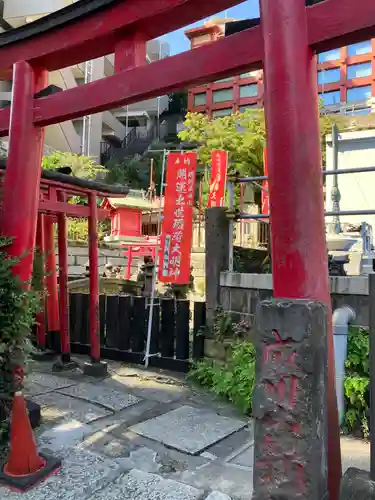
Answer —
286 41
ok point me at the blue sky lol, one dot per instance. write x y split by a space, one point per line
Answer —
178 41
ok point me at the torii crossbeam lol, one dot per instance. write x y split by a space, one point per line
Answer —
284 45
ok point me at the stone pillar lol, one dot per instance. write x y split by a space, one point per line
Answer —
290 401
217 256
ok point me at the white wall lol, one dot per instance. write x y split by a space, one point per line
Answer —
356 149
23 8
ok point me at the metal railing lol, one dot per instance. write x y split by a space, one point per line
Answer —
264 234
108 151
261 178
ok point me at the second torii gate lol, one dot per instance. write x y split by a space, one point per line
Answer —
284 44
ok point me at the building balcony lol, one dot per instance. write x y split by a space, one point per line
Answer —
151 107
20 12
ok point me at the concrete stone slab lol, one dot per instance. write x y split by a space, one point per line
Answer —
58 408
216 495
51 381
170 460
104 443
232 481
66 435
100 394
33 389
121 420
139 485
188 429
143 411
82 473
142 459
233 443
147 388
243 457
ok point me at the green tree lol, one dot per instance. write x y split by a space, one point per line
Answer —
241 134
82 166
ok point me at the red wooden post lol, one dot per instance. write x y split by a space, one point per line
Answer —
22 176
130 52
41 318
51 276
299 254
63 284
94 279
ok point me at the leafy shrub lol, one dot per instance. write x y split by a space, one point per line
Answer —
233 380
356 385
225 328
18 307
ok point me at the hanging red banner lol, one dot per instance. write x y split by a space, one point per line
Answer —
177 228
265 195
219 165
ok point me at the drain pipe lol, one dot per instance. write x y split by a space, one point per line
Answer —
340 323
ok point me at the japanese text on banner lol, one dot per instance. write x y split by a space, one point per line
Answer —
177 228
219 165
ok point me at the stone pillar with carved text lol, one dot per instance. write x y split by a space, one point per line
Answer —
290 401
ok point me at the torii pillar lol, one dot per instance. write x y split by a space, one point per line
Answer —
299 254
23 172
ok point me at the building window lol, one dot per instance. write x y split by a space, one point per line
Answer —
358 49
358 94
330 98
221 112
330 55
329 76
222 95
200 99
224 80
359 70
249 90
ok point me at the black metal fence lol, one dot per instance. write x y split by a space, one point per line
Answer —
176 340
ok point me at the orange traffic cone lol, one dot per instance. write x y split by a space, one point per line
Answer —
25 467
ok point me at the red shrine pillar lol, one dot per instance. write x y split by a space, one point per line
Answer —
299 254
51 276
62 237
22 176
41 317
95 368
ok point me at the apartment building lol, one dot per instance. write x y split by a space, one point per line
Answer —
346 79
90 135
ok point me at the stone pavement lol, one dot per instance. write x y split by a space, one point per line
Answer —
143 435
138 435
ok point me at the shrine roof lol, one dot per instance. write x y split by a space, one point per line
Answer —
77 185
133 202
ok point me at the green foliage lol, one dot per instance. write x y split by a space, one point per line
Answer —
135 173
78 230
224 328
241 134
233 380
82 166
356 385
18 307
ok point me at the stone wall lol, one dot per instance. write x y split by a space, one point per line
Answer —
79 255
240 294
